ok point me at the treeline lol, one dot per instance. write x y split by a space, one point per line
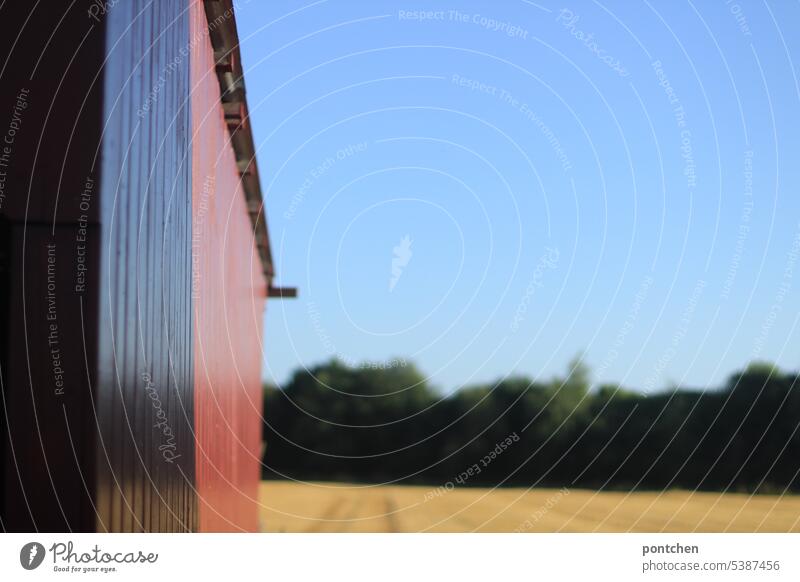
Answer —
375 424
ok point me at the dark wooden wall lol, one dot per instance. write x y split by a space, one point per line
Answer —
50 56
144 386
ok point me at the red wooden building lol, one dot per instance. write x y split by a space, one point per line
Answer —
135 266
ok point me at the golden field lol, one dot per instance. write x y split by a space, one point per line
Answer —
333 507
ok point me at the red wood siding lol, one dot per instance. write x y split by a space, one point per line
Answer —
229 289
158 427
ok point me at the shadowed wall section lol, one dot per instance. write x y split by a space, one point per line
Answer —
229 289
50 98
144 391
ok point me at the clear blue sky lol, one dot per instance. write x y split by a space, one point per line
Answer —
619 178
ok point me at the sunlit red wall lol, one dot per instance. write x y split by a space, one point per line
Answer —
229 290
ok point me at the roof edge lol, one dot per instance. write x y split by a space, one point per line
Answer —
222 32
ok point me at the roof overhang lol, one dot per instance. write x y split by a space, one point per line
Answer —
224 38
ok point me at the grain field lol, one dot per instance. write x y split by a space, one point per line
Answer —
328 507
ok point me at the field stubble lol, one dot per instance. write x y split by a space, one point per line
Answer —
330 507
